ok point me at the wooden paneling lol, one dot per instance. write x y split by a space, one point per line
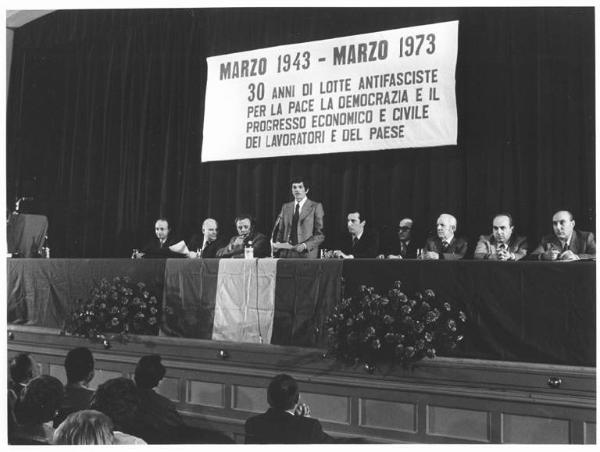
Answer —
437 401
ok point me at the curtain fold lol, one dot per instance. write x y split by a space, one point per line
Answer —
106 107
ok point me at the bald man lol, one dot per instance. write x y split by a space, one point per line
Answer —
446 245
567 243
404 246
206 244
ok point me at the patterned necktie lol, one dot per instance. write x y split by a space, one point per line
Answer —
445 245
294 234
403 248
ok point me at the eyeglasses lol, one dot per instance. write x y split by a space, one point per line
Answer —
404 228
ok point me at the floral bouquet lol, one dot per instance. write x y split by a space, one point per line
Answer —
119 307
371 328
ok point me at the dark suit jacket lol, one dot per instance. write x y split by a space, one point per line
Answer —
76 399
367 246
260 243
310 228
159 416
456 250
409 253
211 249
281 427
486 247
582 243
154 249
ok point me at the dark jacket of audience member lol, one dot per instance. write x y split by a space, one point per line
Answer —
79 367
21 372
278 425
36 408
157 412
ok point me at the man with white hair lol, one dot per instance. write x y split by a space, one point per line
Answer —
567 243
206 244
446 245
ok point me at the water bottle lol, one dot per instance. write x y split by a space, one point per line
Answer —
249 250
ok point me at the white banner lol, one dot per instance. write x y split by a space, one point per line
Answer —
386 90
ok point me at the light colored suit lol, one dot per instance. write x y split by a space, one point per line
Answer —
310 228
487 247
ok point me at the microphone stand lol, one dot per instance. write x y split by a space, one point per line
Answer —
273 232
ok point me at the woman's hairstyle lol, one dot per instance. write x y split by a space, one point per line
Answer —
39 400
85 427
118 399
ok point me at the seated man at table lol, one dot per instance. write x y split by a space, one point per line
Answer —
502 244
208 243
286 421
247 234
446 245
359 242
567 243
403 246
164 244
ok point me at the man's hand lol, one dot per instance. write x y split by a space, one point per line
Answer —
302 409
550 255
568 256
503 255
300 247
238 240
430 255
394 256
340 255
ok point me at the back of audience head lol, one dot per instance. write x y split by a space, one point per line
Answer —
79 365
283 393
118 399
149 371
40 400
85 427
21 368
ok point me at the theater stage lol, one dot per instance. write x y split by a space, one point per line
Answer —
530 324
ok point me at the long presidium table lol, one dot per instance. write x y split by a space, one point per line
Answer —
518 311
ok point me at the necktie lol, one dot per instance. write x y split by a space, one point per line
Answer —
354 242
403 248
204 248
294 235
565 246
445 245
502 246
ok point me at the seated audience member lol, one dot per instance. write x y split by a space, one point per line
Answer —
85 428
502 244
156 411
286 421
118 399
404 246
246 233
445 245
35 411
208 243
567 243
165 244
79 367
360 242
21 370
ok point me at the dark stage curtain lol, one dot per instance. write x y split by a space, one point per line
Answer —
105 115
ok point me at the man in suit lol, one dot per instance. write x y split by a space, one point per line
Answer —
404 246
164 245
502 244
79 367
300 224
445 245
208 243
567 243
286 421
360 242
245 226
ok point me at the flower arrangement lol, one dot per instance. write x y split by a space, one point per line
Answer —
371 328
119 307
